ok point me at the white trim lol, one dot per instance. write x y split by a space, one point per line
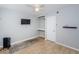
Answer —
67 46
41 36
23 40
1 46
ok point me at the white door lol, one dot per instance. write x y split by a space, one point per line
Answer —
51 28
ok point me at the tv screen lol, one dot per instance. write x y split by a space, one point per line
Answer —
25 21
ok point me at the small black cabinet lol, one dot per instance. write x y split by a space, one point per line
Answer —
6 42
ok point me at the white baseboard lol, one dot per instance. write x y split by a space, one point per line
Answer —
24 40
1 46
41 36
67 46
21 41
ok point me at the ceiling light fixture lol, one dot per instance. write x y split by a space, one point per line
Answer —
36 7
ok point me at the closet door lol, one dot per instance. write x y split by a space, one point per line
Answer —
51 28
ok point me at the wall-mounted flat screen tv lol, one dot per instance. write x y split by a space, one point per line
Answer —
25 21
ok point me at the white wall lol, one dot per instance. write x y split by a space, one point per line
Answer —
68 16
42 23
41 26
10 26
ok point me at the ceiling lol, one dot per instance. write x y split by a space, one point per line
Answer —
25 8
